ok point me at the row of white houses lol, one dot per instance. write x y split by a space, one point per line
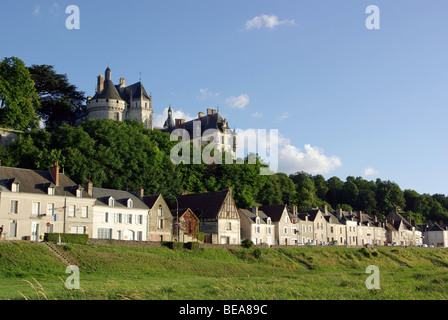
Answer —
34 202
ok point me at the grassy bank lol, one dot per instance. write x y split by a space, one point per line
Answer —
119 272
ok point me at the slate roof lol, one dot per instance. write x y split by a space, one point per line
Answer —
121 197
109 92
151 200
436 227
211 121
37 182
204 205
136 91
251 217
274 212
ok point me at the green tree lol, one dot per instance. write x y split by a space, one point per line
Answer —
18 97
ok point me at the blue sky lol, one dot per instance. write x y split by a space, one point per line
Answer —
346 100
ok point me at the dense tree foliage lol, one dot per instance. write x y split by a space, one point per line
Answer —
58 98
18 98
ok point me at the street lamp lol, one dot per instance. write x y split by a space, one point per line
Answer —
177 215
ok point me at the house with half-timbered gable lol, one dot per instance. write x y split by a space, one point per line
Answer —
218 215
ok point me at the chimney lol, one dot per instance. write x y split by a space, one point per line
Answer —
441 223
141 192
54 171
122 83
200 115
89 187
339 212
359 215
255 210
412 222
100 85
294 209
325 208
375 218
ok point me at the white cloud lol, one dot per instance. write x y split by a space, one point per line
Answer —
283 116
289 158
369 171
159 118
256 114
205 93
268 21
239 102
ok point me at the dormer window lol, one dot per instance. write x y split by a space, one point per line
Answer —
15 186
51 191
130 203
269 221
111 202
257 221
79 193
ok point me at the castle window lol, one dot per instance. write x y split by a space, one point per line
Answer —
117 116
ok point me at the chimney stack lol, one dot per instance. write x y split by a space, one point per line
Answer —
89 187
100 85
141 192
294 209
375 218
325 208
359 215
255 210
54 171
200 115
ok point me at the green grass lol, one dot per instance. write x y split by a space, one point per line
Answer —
31 271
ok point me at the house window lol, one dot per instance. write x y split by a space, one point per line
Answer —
79 193
84 211
287 219
71 210
140 219
78 229
269 230
111 202
15 187
14 206
160 223
139 235
36 208
310 229
229 226
129 218
106 217
285 230
159 211
331 229
257 229
130 203
50 209
104 233
50 191
120 218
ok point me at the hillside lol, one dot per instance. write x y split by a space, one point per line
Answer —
32 271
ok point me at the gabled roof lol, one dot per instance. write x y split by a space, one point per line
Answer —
274 212
436 227
394 214
204 205
120 197
151 200
37 182
252 217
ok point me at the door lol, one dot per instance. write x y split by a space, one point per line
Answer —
34 231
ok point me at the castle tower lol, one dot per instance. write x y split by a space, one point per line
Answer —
107 102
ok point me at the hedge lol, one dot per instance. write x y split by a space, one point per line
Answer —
174 245
66 238
192 245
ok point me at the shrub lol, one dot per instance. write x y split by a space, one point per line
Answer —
174 245
192 245
247 243
257 253
66 238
